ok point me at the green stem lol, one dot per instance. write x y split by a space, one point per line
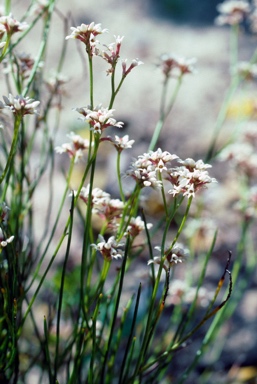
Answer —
119 177
164 113
102 380
17 122
61 292
182 222
41 49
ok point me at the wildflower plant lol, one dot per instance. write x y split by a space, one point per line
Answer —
95 329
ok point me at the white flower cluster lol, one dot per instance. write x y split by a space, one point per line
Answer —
173 255
76 148
109 249
232 12
87 33
99 118
190 177
10 26
186 179
20 105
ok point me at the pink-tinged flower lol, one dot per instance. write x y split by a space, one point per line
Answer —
120 143
134 63
174 66
98 195
87 33
4 212
232 12
25 62
111 54
20 105
99 118
11 26
189 178
56 82
103 205
109 249
5 241
75 148
172 256
136 225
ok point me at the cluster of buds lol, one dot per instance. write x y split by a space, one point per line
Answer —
174 66
111 54
19 105
76 148
99 118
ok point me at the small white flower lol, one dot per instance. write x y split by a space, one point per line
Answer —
4 242
99 118
109 249
172 256
11 25
20 105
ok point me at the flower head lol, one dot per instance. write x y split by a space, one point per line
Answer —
112 53
171 256
99 118
87 33
75 148
136 225
232 12
120 143
9 25
147 166
102 204
174 66
109 249
189 178
20 105
134 63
